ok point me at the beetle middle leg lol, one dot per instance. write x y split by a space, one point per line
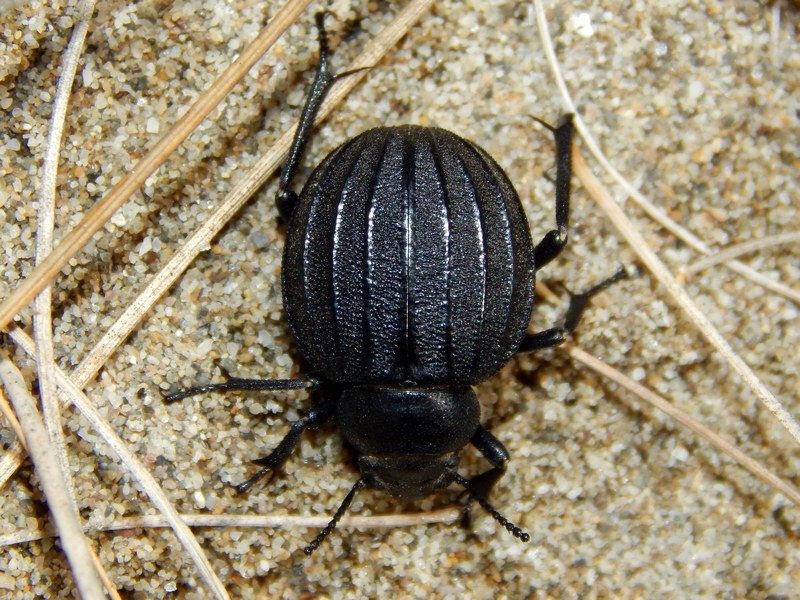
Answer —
554 241
556 336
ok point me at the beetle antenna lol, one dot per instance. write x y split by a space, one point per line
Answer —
333 522
517 532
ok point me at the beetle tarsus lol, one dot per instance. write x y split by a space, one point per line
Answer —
579 302
241 488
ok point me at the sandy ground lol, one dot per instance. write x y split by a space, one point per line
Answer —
695 103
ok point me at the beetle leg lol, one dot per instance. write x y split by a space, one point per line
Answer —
556 336
478 487
554 241
497 455
285 199
236 383
316 416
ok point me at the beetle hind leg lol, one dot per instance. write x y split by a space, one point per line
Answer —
555 240
286 199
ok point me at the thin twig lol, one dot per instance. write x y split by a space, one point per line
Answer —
157 496
96 217
42 309
445 515
51 480
734 250
646 205
649 258
45 224
8 413
111 589
720 443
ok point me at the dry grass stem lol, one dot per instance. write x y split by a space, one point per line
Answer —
734 250
126 456
51 480
45 224
445 515
111 589
101 212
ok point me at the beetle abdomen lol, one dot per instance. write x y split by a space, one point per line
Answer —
408 258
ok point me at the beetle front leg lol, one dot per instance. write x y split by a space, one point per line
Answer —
316 416
554 241
497 455
479 487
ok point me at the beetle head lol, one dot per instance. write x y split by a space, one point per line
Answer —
408 476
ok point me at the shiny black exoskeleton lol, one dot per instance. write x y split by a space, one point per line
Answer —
408 277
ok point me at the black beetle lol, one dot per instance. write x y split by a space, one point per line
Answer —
408 277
